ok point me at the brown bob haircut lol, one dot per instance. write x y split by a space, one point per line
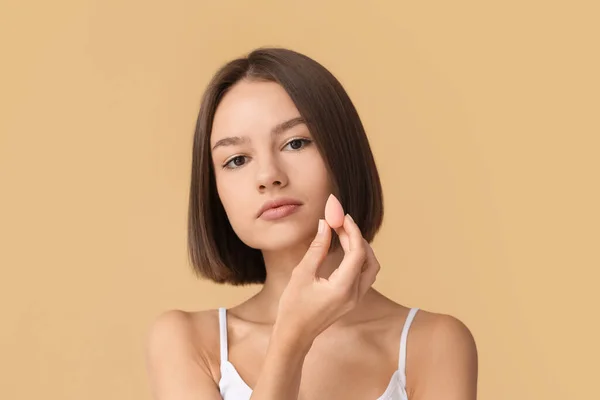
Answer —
215 251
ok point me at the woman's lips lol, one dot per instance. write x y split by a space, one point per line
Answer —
279 212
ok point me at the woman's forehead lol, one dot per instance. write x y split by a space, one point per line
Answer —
251 108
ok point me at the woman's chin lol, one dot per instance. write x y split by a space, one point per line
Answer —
282 240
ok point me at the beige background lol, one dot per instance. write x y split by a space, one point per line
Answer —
484 120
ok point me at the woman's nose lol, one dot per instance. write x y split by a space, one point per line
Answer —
270 175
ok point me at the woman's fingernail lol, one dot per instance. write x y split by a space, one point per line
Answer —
321 226
350 217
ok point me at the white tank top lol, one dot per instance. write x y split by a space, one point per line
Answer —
233 387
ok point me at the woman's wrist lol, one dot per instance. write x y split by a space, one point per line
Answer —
291 340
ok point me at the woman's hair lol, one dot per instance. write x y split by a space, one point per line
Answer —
215 251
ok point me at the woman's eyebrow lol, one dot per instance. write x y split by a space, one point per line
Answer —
277 130
284 126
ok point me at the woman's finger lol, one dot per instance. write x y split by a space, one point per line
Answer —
318 249
369 274
344 239
351 266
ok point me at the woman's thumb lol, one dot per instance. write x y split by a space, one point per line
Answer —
319 248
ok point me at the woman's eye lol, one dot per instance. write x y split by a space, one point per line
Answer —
297 144
239 161
235 162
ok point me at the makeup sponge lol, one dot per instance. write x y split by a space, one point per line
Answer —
334 213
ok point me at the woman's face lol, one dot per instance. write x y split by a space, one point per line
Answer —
262 151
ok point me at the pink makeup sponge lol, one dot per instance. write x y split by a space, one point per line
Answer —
334 213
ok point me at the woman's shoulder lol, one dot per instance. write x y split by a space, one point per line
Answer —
193 328
426 325
190 334
186 324
440 345
434 325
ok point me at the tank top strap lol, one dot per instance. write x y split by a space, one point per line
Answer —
223 335
403 339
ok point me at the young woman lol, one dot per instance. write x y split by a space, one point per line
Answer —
278 142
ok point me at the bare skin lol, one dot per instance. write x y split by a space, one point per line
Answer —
354 358
317 329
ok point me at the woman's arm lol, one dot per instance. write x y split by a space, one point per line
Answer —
281 372
175 369
448 365
310 304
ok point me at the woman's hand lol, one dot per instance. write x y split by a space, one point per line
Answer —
310 304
